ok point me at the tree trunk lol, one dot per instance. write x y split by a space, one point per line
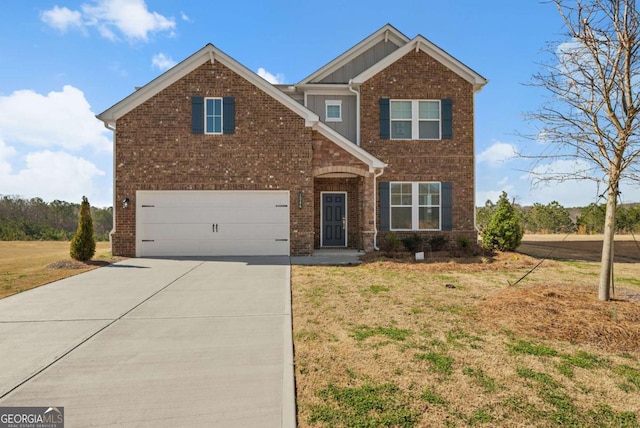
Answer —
606 264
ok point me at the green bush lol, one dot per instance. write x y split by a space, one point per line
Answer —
83 244
413 244
504 232
391 243
438 242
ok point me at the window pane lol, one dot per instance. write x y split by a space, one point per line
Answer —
429 194
429 130
401 130
401 110
401 218
333 112
429 218
217 107
401 194
217 123
429 110
210 124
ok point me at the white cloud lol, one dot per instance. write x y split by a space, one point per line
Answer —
131 18
271 78
54 175
497 153
62 18
185 17
162 62
58 119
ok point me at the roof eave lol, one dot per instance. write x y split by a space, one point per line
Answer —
419 42
348 146
208 53
386 32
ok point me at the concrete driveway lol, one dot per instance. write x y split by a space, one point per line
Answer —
155 343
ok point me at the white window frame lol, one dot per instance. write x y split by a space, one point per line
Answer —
415 205
332 103
415 120
206 115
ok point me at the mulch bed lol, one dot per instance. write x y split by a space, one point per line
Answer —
566 312
75 264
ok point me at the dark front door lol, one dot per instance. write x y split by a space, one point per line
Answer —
334 220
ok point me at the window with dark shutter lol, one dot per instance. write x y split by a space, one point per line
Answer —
228 115
197 115
447 119
385 122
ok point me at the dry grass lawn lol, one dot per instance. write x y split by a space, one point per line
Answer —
29 264
451 344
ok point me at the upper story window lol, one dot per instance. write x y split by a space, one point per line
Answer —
213 115
415 119
333 110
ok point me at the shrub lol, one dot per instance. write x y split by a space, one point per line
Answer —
391 243
438 242
413 243
504 231
83 244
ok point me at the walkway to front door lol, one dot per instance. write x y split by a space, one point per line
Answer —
334 220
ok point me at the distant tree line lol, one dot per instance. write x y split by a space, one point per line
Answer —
554 218
36 220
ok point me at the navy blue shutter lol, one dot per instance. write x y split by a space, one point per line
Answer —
446 192
447 119
385 119
228 115
385 206
197 115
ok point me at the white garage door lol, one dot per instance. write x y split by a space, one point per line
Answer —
212 223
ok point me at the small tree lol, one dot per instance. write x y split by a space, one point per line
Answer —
504 231
83 244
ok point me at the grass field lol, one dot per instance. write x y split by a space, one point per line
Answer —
451 344
445 343
25 264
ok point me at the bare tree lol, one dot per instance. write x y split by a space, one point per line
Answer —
592 115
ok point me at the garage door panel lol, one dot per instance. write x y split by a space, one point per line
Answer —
209 214
214 231
211 223
167 198
196 247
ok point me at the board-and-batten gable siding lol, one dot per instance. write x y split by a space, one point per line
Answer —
361 62
347 127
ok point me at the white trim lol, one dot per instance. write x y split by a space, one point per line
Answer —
320 89
346 219
192 63
415 206
349 147
332 103
420 43
221 116
386 33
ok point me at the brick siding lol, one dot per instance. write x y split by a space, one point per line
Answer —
270 150
418 76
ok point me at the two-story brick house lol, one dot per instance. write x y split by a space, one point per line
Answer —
211 159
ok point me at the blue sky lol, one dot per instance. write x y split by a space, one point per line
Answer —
64 61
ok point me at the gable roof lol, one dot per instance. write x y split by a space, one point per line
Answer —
210 53
421 43
387 32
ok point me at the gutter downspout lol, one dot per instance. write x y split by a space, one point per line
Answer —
375 209
357 111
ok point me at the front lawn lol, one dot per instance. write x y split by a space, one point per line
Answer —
451 344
